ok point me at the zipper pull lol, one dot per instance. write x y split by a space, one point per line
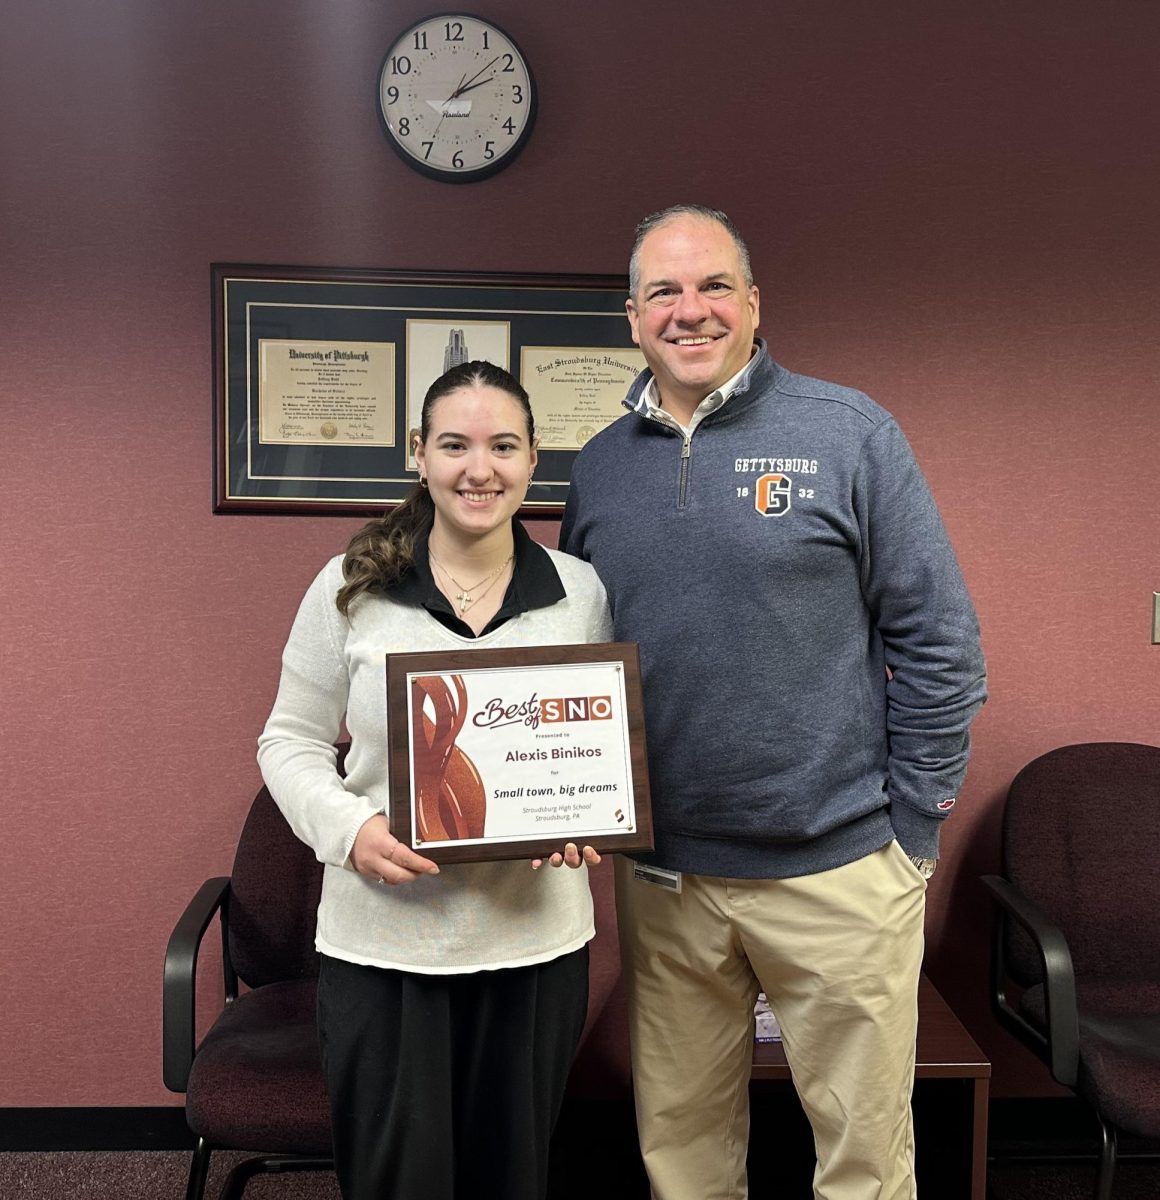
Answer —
687 447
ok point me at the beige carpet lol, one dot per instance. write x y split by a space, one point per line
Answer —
161 1175
141 1175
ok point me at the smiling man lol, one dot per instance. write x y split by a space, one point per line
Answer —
811 666
693 309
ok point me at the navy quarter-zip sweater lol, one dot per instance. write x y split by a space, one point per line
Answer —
810 656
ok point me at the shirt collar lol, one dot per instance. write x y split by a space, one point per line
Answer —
535 583
712 402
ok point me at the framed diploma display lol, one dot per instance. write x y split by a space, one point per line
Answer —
513 753
320 374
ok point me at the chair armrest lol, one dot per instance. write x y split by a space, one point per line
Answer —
179 1001
1060 1048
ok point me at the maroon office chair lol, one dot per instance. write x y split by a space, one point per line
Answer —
255 1081
1076 955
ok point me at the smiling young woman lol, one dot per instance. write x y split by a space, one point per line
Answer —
476 459
450 999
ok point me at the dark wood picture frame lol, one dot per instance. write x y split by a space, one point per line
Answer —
319 374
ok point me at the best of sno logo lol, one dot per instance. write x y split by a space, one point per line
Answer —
576 708
552 710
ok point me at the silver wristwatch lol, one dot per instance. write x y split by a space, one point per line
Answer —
924 866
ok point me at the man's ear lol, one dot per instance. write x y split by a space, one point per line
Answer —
633 319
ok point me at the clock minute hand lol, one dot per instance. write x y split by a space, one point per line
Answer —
470 83
480 83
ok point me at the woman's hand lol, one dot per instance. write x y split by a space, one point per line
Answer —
379 855
571 856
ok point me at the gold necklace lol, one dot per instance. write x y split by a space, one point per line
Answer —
464 595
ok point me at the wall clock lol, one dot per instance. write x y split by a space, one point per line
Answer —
457 99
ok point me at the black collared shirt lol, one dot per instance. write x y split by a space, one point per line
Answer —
535 583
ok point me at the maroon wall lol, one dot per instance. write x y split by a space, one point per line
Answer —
950 205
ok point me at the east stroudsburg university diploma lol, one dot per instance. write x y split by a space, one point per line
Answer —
577 391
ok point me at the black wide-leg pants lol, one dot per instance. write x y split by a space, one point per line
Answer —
447 1087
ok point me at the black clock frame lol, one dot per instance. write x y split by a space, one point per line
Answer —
432 172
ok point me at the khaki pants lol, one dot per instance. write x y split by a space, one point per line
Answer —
838 955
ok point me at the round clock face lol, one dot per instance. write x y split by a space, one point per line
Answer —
456 97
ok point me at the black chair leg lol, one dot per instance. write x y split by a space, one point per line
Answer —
1107 1161
198 1170
237 1179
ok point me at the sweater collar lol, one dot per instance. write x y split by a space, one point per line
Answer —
753 381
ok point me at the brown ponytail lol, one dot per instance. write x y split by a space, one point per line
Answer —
382 551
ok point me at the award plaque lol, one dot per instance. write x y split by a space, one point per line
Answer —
512 753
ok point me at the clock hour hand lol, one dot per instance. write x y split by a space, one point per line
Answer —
471 82
469 86
449 108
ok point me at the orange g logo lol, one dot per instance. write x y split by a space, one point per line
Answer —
773 495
